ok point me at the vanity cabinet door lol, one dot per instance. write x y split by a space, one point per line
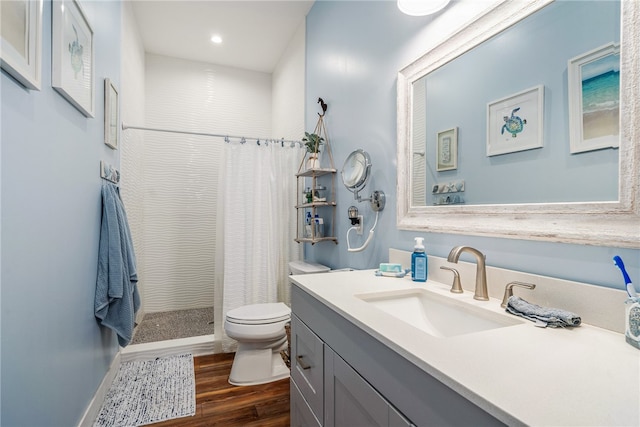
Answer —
351 401
307 363
301 415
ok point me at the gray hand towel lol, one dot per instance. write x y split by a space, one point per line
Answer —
552 317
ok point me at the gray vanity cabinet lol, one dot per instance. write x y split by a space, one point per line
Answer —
307 369
326 391
351 401
301 414
342 376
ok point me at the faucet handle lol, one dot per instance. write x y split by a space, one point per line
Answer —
508 291
456 288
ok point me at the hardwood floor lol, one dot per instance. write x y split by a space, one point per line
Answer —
218 403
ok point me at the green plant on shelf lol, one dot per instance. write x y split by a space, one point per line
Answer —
312 142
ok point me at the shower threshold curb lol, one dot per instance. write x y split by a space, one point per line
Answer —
198 346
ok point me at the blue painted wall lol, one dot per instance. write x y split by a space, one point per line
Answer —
54 354
354 52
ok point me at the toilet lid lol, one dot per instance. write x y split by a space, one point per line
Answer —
259 313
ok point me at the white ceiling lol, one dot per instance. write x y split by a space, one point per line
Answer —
255 33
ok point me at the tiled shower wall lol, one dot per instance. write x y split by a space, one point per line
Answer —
181 171
132 142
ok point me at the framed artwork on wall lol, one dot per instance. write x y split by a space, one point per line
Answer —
72 61
447 153
111 115
594 99
515 123
21 41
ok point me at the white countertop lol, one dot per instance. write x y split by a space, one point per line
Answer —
522 375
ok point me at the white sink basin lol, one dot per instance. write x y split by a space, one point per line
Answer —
437 315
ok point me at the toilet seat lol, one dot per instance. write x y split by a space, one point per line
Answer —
259 314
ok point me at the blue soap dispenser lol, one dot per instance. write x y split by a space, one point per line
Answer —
419 262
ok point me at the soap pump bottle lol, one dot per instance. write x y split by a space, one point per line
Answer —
419 262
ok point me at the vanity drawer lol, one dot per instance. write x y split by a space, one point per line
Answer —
307 359
301 414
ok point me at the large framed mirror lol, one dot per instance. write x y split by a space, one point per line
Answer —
501 145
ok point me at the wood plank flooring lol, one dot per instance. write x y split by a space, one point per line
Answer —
219 403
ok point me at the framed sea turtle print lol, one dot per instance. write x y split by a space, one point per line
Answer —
516 122
72 62
594 99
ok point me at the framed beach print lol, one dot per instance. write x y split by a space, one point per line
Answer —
72 59
515 123
21 41
594 99
111 115
447 151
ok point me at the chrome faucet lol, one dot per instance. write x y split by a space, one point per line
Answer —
481 271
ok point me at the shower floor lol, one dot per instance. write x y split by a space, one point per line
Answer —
170 325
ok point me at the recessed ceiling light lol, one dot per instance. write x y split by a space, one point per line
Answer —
216 39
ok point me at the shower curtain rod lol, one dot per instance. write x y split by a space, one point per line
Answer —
241 138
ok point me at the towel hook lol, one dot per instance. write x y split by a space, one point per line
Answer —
323 106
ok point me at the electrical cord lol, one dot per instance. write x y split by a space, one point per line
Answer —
366 243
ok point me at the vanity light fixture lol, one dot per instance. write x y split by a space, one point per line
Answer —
216 39
421 7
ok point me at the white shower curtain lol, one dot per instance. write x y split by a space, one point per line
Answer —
257 227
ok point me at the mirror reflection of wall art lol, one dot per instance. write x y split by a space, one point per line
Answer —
111 115
594 99
447 156
73 56
515 123
21 41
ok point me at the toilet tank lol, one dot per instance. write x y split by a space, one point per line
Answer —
306 267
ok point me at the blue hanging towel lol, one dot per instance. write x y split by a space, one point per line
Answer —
117 299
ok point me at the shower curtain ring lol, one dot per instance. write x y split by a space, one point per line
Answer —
242 140
258 142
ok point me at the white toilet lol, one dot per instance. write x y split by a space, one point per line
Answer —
259 330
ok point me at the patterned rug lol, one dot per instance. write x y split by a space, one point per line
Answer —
149 391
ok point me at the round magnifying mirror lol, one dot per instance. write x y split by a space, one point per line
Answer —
355 171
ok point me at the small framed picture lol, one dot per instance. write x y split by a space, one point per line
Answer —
72 61
447 154
594 99
21 41
111 115
515 123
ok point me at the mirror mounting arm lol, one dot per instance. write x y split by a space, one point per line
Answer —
377 200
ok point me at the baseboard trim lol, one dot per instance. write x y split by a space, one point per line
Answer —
95 405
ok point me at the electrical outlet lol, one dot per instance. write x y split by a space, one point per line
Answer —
360 224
